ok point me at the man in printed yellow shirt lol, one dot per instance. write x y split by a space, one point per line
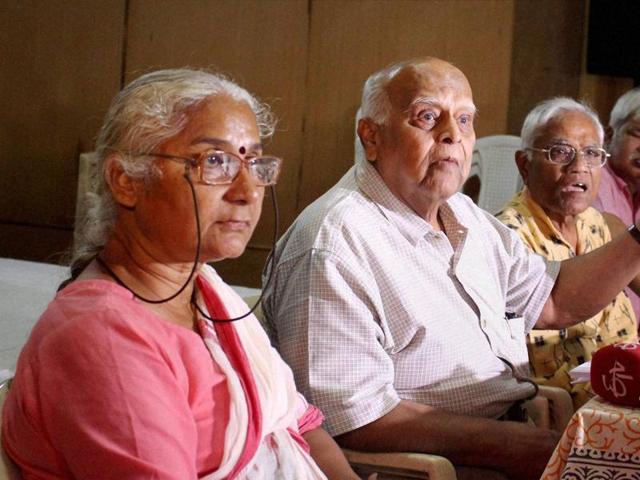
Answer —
560 163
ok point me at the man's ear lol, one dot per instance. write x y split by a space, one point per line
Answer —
125 190
522 162
368 133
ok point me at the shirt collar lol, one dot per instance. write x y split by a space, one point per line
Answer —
409 224
371 184
542 219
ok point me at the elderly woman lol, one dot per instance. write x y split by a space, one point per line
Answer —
136 369
560 163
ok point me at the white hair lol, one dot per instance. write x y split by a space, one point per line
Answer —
551 109
375 99
626 108
150 110
375 103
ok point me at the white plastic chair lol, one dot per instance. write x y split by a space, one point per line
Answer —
494 164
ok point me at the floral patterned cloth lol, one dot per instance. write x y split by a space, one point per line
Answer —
602 441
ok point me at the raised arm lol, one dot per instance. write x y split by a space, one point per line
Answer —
617 227
586 283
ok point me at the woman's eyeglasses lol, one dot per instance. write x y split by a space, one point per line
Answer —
221 168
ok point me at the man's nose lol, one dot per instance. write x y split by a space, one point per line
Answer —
449 130
579 163
243 189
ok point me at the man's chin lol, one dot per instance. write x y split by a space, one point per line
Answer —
446 189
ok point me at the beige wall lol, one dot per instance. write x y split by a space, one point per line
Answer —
62 61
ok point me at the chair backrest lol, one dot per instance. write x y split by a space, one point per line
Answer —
494 164
8 470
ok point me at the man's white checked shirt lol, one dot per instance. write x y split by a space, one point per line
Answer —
370 305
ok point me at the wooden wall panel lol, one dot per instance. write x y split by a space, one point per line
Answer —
262 45
36 243
547 54
351 40
60 64
602 92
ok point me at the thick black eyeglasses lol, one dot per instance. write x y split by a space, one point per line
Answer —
565 154
221 168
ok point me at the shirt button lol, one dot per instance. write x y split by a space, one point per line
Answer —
483 322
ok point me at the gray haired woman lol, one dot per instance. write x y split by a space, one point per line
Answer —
138 368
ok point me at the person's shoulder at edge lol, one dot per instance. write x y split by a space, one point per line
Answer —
515 214
329 216
471 215
89 310
611 190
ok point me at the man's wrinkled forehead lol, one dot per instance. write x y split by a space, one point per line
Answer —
431 80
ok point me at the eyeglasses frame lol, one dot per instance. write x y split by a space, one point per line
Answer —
573 156
197 162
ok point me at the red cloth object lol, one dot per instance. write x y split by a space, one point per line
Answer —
311 420
232 346
615 373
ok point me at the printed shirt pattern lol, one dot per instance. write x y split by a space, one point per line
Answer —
553 353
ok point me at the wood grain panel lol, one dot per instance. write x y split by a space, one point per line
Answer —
351 40
37 243
260 44
60 64
547 54
602 92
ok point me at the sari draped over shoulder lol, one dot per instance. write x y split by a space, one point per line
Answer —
267 415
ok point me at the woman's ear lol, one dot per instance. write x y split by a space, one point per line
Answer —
522 162
368 133
125 190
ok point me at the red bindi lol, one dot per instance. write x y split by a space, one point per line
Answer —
242 150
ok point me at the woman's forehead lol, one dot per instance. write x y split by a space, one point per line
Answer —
222 118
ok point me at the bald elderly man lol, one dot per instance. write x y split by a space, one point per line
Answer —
402 307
